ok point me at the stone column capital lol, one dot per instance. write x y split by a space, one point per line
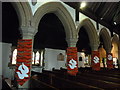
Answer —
94 47
72 42
28 32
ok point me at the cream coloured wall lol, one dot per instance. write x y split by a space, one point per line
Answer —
51 59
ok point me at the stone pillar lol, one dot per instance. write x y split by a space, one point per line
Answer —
119 54
72 59
95 62
25 54
72 42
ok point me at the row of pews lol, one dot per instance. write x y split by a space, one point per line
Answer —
86 78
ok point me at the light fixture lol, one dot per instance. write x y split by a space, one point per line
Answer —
115 23
101 18
82 5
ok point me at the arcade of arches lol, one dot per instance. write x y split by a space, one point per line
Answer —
53 32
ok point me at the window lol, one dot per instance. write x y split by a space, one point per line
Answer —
41 58
14 56
37 58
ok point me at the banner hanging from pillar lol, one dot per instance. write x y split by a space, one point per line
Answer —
95 60
72 62
24 55
109 61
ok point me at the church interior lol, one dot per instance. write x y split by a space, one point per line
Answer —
53 44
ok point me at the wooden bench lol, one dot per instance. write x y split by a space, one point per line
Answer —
97 83
59 82
65 83
105 78
34 84
89 81
106 74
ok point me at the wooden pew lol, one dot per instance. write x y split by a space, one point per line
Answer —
5 85
93 82
98 77
105 74
65 83
97 83
59 82
35 84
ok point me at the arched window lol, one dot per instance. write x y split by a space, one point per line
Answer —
37 58
14 56
41 58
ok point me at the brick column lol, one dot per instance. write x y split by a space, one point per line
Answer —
109 61
24 57
72 59
109 58
95 58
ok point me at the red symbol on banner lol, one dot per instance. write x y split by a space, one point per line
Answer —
24 70
72 64
96 59
109 57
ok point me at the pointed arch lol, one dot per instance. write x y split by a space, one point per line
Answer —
115 38
61 12
91 31
115 43
23 11
106 39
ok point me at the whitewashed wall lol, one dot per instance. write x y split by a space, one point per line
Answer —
6 52
41 2
81 63
51 59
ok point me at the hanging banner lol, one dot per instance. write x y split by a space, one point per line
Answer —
95 61
72 62
24 52
109 61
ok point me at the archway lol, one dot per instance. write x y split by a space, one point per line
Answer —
58 9
105 46
84 49
61 12
104 35
24 13
114 51
51 38
91 31
51 33
90 41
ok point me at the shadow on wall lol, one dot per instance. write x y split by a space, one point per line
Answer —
6 52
